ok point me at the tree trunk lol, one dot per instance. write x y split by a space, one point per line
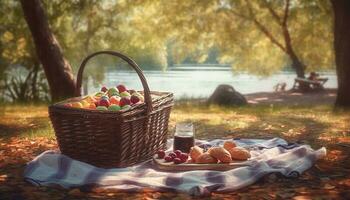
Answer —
341 10
57 70
297 65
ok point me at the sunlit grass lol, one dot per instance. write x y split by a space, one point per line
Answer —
291 122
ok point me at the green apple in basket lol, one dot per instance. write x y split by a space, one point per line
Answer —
112 91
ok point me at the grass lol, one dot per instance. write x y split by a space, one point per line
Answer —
25 132
296 123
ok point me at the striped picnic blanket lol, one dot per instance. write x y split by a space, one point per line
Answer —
268 156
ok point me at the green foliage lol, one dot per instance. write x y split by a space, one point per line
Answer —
155 33
229 25
81 27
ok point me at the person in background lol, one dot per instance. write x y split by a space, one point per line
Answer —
313 76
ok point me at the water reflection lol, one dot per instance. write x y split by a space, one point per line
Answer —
186 83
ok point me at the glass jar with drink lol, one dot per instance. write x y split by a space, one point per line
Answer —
184 137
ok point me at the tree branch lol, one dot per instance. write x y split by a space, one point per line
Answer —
263 29
286 14
273 12
269 35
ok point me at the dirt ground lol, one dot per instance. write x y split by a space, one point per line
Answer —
326 96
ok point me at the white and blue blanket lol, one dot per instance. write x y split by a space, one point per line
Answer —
268 156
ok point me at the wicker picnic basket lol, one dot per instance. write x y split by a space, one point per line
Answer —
113 139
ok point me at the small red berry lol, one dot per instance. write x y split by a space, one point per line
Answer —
184 157
178 153
161 154
168 158
173 155
177 161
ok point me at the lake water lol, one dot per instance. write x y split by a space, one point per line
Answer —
202 83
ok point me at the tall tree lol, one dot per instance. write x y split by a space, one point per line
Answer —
341 10
57 69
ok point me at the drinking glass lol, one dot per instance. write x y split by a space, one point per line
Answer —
184 137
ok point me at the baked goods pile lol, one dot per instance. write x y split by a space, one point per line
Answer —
226 154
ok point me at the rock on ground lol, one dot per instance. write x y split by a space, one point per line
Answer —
228 96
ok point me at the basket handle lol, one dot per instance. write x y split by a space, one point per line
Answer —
147 93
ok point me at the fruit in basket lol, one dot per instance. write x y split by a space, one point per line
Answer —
229 145
131 91
101 108
168 158
125 94
239 153
221 154
67 105
114 100
195 152
114 107
104 97
99 94
161 154
121 88
104 89
126 107
85 103
206 158
134 99
104 102
89 99
77 105
124 101
112 91
92 106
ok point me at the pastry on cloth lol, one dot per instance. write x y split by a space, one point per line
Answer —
239 153
229 145
221 154
206 158
195 152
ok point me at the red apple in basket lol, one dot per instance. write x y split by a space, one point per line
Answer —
121 88
124 101
104 102
134 99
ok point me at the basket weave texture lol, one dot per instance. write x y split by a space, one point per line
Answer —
113 139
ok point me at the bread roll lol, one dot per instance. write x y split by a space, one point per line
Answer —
229 145
206 158
239 153
195 152
221 154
